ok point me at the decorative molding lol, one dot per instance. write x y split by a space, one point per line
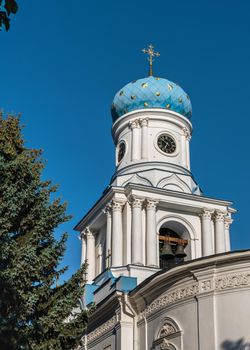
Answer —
232 281
217 284
170 298
166 330
166 345
105 327
206 285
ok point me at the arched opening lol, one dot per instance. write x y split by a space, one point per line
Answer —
174 247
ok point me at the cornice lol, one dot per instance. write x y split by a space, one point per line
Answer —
176 194
98 207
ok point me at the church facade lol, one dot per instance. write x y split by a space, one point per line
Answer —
160 268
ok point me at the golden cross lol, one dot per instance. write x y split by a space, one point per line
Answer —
151 53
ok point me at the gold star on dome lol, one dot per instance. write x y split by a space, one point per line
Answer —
151 55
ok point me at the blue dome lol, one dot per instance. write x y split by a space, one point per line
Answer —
151 92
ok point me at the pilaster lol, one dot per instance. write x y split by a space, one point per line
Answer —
108 212
227 222
84 246
91 258
144 137
206 229
220 244
117 233
135 127
137 244
151 235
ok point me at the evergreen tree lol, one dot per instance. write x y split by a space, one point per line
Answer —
35 313
7 7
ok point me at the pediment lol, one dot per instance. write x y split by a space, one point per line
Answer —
174 183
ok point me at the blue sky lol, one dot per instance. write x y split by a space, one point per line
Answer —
61 65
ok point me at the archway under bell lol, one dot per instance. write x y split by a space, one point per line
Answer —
177 232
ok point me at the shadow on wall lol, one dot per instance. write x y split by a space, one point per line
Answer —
235 345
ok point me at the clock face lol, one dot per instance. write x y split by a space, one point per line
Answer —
121 151
166 143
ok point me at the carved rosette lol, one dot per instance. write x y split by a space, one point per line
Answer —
134 124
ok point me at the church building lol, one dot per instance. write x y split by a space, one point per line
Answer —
161 272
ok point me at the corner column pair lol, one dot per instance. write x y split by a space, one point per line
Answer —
114 232
139 146
221 232
88 253
151 236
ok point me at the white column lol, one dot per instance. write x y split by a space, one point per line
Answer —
91 258
108 234
144 138
220 244
227 223
206 231
84 245
117 234
136 147
151 236
137 244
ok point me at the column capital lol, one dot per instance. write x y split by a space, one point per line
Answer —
88 233
82 235
206 213
144 122
136 202
219 215
186 133
116 205
151 204
227 222
134 124
107 209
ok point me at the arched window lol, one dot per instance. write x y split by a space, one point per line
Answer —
168 336
171 247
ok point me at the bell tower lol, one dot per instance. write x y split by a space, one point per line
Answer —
153 215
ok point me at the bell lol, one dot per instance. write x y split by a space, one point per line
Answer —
180 253
167 252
